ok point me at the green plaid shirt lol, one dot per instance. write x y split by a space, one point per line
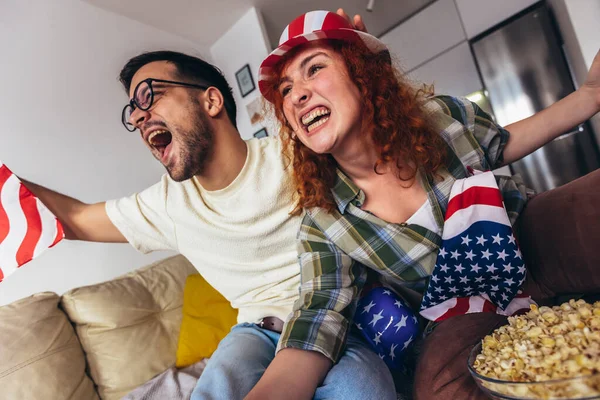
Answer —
336 249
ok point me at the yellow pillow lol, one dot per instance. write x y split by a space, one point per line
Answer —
207 318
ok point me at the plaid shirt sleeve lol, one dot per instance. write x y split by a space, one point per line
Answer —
331 283
491 137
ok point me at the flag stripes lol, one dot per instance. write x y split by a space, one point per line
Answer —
27 227
479 266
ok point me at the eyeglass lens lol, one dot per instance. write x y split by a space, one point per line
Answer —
142 98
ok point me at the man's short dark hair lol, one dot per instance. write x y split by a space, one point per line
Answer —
190 69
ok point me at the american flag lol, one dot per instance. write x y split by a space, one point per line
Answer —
479 266
27 227
388 324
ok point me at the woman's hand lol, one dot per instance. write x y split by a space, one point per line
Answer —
592 82
357 21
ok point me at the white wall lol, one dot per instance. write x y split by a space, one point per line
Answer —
60 125
479 15
585 19
585 15
244 43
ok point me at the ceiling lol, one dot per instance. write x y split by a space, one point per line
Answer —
204 21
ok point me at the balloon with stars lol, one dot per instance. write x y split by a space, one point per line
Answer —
387 323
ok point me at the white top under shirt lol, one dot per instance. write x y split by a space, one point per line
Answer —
241 238
424 217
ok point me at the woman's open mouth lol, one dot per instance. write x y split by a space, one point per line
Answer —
315 118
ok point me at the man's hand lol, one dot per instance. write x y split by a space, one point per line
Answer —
357 21
592 81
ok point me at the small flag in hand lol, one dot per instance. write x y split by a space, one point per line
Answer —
27 227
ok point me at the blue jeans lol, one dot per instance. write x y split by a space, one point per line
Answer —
245 353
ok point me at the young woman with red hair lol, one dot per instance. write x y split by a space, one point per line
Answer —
374 162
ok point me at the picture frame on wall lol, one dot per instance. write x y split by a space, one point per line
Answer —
245 81
261 133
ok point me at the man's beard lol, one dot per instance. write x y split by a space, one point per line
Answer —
196 149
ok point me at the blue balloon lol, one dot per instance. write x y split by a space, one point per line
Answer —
388 323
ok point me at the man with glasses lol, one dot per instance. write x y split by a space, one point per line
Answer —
225 206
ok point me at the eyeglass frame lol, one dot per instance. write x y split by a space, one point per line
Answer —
133 103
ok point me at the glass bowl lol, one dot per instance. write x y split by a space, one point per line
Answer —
573 388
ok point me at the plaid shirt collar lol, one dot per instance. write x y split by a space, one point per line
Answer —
345 191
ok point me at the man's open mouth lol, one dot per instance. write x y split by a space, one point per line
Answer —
160 140
315 118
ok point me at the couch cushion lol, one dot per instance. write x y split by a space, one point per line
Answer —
207 318
40 356
559 232
128 326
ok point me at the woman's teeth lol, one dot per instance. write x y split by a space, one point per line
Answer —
317 124
308 118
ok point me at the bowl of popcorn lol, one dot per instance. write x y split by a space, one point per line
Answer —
547 353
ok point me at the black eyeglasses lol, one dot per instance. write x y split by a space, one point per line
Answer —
143 97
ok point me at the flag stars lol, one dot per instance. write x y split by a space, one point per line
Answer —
449 279
398 304
466 240
504 297
475 268
387 292
508 268
459 268
443 253
509 281
491 269
464 279
494 288
495 277
444 268
453 289
502 254
486 254
479 279
454 255
376 317
497 239
435 278
469 255
481 240
522 269
511 239
518 254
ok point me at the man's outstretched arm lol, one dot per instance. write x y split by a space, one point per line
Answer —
81 221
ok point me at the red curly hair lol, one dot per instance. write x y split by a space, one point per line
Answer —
392 112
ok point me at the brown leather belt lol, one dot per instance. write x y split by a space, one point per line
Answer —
273 324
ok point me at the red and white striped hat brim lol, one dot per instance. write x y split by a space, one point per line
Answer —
314 25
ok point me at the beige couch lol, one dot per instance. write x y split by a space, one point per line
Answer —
99 341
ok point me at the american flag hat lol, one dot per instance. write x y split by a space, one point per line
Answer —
314 25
